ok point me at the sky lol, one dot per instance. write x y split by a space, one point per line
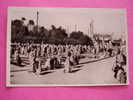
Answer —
105 20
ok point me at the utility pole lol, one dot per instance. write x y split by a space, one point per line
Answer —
37 20
75 28
88 32
91 28
68 31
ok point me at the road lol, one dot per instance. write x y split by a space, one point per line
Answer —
86 73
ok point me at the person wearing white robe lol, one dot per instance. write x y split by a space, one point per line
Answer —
31 58
67 65
47 64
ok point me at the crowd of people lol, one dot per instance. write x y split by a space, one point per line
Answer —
120 68
51 56
48 52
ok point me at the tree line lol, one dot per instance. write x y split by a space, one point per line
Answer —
56 35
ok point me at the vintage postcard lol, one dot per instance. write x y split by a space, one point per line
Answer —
66 47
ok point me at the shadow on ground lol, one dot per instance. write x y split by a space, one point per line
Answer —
94 60
75 70
46 72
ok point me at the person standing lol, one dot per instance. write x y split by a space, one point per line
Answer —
47 64
67 65
119 60
31 59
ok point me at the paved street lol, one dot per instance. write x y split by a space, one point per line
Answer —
87 72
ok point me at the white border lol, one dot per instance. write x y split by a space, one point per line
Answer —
126 32
8 47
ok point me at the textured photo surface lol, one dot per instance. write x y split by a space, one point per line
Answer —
66 47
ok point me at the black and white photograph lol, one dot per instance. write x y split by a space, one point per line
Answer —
66 47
